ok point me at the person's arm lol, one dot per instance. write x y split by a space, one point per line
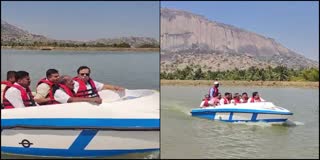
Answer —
3 86
13 95
97 100
101 86
221 101
201 104
63 97
42 92
211 92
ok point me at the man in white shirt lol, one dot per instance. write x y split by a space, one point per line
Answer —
10 80
65 93
86 87
19 94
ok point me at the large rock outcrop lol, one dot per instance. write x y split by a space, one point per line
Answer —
186 34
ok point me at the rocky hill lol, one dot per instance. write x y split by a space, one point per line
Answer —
187 38
12 34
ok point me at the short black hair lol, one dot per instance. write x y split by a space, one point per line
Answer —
227 93
245 93
11 74
50 72
83 67
21 75
254 94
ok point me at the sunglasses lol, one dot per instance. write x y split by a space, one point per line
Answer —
82 74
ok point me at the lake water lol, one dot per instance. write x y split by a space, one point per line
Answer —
132 70
183 136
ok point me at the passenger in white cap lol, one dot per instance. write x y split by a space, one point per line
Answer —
213 92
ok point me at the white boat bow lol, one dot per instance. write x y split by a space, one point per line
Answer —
124 123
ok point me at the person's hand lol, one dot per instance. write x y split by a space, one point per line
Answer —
118 88
97 100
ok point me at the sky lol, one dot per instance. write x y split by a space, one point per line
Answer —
84 20
293 24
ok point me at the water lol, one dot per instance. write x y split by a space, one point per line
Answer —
183 136
132 70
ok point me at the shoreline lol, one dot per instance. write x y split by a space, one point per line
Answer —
240 83
48 48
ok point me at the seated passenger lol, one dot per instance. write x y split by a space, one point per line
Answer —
44 88
216 100
10 80
255 98
65 93
236 99
86 87
226 99
19 94
244 97
205 101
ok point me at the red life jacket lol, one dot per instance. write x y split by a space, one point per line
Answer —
255 100
215 91
67 90
27 100
236 100
8 83
50 94
226 101
206 102
83 91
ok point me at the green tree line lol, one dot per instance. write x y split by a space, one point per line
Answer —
62 44
279 73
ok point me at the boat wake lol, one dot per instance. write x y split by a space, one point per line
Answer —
260 124
290 123
153 155
287 123
176 106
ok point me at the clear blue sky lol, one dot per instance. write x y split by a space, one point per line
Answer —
84 20
293 24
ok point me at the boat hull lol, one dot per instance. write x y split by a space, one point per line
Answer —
77 142
262 112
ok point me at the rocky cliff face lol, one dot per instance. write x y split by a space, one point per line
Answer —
187 34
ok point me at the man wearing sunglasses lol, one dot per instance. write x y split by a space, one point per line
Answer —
86 87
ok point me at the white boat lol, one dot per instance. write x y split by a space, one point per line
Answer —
244 112
122 124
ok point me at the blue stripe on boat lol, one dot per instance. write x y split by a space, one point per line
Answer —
82 122
230 116
83 139
70 153
254 116
237 110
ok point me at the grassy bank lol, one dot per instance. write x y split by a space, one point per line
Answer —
241 83
81 48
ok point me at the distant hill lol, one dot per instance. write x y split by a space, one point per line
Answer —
15 34
12 35
187 38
